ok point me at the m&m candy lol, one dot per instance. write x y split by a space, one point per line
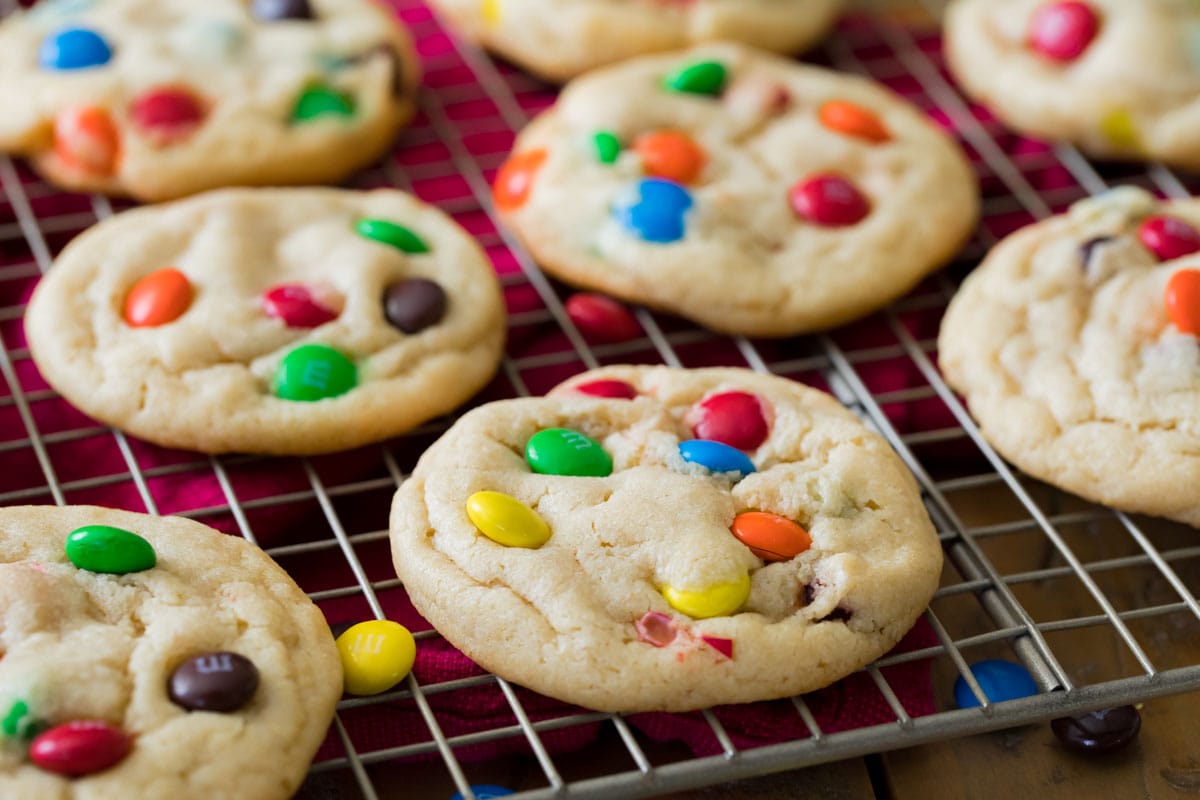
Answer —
654 210
314 372
770 536
1169 237
999 680
74 48
213 682
506 520
376 655
105 549
158 298
414 304
719 600
80 748
851 119
298 305
670 154
167 113
86 139
733 418
1183 300
697 77
608 388
322 101
717 458
391 233
515 179
1061 31
830 201
559 451
601 318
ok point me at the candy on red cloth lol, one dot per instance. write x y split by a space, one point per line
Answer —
601 318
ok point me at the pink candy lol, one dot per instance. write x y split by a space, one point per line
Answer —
299 306
80 748
602 318
1063 30
828 200
656 628
619 390
732 418
167 113
1168 237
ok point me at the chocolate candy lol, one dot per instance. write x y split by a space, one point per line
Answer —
853 120
213 682
376 655
159 298
105 549
297 306
1061 31
716 457
770 536
732 418
86 139
830 201
74 48
415 304
391 233
1098 732
1169 237
1000 681
514 181
607 146
602 318
619 390
654 210
80 748
275 10
670 154
167 114
698 77
506 520
559 451
320 101
314 372
719 600
1183 300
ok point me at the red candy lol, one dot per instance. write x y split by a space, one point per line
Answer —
656 628
1183 300
1169 237
720 644
828 200
80 748
733 418
1062 31
602 318
619 390
167 114
297 306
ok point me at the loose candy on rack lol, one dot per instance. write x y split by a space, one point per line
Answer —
74 48
314 372
86 138
506 520
697 77
158 298
299 305
484 791
854 120
167 114
213 682
376 655
560 451
656 628
277 10
719 600
619 390
1098 732
770 536
322 101
105 549
1183 300
655 210
828 200
414 304
733 418
601 318
1169 237
999 680
1062 31
607 146
515 179
716 457
391 233
670 154
80 748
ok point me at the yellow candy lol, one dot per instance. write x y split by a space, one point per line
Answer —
1119 128
506 520
491 11
376 655
715 601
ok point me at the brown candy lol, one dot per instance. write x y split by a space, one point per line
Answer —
415 304
214 682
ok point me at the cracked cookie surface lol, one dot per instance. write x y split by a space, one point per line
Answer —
1064 346
593 617
81 645
284 321
749 193
162 98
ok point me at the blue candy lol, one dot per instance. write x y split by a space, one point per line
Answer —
485 791
655 210
1000 681
716 457
74 48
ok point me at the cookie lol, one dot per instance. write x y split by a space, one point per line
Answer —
285 321
721 537
1075 345
1119 78
153 657
162 98
559 39
746 192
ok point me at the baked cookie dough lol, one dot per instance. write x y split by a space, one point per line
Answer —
1075 345
746 192
162 98
558 39
285 321
1119 78
153 657
722 537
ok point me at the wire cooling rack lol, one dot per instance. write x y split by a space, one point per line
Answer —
1011 542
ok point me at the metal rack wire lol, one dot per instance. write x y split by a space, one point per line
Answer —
334 509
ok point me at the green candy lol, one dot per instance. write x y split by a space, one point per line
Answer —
314 372
317 101
608 147
699 77
19 723
397 236
102 548
560 451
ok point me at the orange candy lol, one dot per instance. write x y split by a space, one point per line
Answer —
1183 300
159 298
770 536
671 155
853 120
514 181
86 138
